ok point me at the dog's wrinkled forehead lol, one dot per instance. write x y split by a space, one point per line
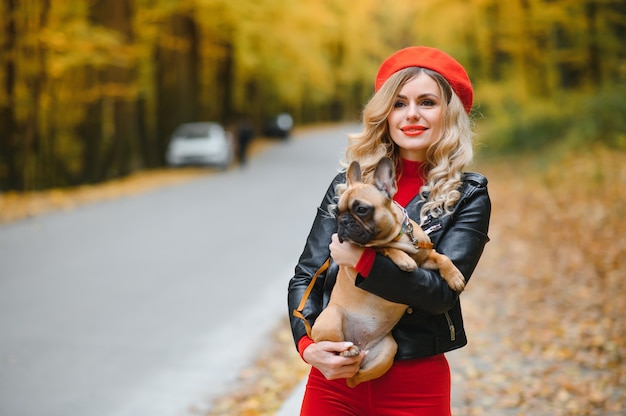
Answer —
360 194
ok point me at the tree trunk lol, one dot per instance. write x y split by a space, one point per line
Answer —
177 80
122 148
10 159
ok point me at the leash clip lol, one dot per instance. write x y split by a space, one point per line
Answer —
407 227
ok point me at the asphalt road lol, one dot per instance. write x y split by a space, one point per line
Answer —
152 304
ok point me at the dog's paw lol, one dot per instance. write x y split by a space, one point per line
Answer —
404 262
407 266
456 282
353 351
401 259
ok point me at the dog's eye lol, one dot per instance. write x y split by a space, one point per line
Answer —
362 210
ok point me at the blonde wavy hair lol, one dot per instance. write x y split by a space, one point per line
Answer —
446 159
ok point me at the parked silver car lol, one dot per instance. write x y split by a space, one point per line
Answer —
202 143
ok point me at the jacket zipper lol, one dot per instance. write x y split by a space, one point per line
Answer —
451 326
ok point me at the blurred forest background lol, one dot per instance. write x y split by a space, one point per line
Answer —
90 90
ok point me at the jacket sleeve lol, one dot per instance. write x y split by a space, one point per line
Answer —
462 240
315 253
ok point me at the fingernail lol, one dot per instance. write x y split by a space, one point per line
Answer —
348 344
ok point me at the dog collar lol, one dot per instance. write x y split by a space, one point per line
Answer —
407 228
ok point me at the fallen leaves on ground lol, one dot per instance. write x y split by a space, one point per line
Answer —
17 205
545 308
266 384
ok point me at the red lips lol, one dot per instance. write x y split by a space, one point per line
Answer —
413 130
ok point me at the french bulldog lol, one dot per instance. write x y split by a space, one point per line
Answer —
368 216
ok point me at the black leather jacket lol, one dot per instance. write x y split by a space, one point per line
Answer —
433 323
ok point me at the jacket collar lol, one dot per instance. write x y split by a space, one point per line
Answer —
471 181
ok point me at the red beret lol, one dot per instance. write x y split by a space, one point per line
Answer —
433 59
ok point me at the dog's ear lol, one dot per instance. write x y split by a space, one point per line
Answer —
353 175
384 177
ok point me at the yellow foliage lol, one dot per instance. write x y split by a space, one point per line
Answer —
225 57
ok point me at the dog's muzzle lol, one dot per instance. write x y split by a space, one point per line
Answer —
350 229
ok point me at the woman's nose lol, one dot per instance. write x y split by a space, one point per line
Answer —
412 111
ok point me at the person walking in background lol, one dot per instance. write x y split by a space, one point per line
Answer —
418 117
245 134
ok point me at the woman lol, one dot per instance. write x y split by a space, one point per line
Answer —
419 117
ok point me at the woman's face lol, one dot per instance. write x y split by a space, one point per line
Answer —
416 120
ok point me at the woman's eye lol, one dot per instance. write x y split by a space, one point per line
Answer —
428 103
398 104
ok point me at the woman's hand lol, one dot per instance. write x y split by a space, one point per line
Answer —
324 356
344 254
